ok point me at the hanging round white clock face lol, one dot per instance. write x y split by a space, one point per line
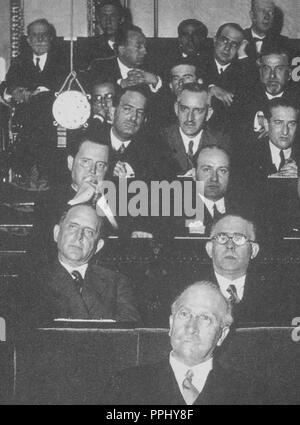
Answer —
71 109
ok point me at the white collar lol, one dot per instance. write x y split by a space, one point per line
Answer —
254 35
42 59
271 96
219 66
123 69
186 140
220 204
275 154
116 143
200 372
224 282
70 269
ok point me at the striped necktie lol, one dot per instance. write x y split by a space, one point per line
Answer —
189 391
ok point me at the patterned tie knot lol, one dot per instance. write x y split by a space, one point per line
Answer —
78 280
282 160
233 296
190 392
121 149
190 153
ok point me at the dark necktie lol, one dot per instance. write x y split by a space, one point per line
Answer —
233 296
190 393
221 71
78 280
37 65
217 213
256 39
190 153
282 160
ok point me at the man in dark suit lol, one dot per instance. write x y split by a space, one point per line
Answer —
161 111
272 165
199 323
227 70
30 84
109 15
182 141
275 154
219 195
76 288
275 82
126 68
262 31
255 297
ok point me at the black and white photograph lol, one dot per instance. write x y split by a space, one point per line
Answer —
149 205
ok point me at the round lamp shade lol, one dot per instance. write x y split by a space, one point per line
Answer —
71 109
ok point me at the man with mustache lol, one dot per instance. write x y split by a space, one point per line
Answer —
199 323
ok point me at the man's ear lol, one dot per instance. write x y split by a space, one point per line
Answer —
208 248
170 323
120 50
70 160
266 124
56 232
251 14
210 111
254 249
224 334
176 108
100 245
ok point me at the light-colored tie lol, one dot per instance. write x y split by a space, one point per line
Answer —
233 296
189 392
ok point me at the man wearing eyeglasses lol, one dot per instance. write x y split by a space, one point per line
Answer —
74 287
255 297
227 71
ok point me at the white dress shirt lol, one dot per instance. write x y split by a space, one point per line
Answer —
273 96
258 43
81 269
220 204
186 141
124 72
275 153
221 67
116 145
200 372
224 283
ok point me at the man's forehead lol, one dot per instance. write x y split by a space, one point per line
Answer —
135 37
284 112
213 156
203 299
264 4
275 59
82 215
38 28
233 224
183 69
108 9
133 98
232 33
95 150
104 88
199 98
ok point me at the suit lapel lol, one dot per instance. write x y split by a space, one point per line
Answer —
178 148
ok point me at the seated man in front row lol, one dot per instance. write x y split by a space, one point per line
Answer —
76 288
199 323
